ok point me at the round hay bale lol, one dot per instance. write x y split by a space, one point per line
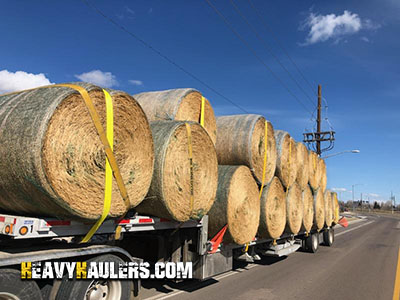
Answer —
322 174
319 210
286 164
53 162
313 170
170 190
237 204
328 208
308 209
273 210
335 208
179 105
241 141
294 209
303 165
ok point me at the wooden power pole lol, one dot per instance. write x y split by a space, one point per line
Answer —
314 139
319 121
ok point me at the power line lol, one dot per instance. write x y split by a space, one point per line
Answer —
260 38
228 24
288 56
143 42
279 44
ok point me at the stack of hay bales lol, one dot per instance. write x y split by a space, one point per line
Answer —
237 205
178 192
53 162
237 169
185 178
247 141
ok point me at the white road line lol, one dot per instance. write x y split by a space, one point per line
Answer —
230 273
351 229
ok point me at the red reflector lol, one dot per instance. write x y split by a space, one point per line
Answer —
58 223
146 220
2 219
124 221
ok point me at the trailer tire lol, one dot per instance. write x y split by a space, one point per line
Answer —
329 237
312 242
12 287
83 289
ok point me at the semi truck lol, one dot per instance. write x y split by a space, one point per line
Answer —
133 240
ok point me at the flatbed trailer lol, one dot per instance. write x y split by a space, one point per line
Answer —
142 238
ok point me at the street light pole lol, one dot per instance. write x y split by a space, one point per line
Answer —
346 151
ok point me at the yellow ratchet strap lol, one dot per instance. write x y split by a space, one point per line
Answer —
203 101
109 177
290 155
265 156
106 140
103 138
190 152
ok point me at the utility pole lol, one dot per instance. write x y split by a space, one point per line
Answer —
318 121
352 191
391 200
361 202
314 139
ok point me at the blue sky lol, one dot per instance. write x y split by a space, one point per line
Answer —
350 47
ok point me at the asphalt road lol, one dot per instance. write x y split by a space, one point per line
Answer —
361 264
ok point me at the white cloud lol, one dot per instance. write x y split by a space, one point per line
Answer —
331 26
339 189
97 77
20 80
136 82
365 39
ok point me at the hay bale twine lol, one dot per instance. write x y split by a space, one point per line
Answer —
53 162
328 208
241 141
319 210
335 208
237 204
286 164
170 190
322 174
313 170
308 209
303 165
273 210
180 105
294 209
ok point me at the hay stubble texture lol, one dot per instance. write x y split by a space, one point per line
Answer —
237 204
53 161
286 165
170 190
294 209
303 165
180 105
241 141
308 209
328 208
319 210
273 210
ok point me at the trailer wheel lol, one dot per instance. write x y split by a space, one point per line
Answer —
329 237
101 289
13 288
312 242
